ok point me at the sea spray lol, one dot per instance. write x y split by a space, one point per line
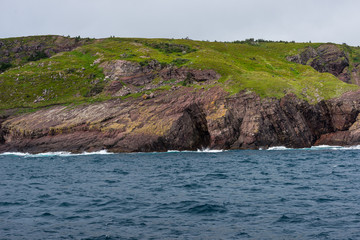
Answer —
60 154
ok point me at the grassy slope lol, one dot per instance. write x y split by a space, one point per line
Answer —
69 77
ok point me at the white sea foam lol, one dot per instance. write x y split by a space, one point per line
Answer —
15 153
204 150
278 148
320 147
61 154
208 150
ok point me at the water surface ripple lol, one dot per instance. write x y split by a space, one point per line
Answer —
288 194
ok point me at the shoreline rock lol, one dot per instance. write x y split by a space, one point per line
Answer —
185 120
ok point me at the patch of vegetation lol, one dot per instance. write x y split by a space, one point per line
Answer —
127 55
166 47
179 62
95 90
62 79
77 39
356 59
170 81
252 41
148 61
5 66
37 55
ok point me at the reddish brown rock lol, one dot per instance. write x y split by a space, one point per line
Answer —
127 72
326 58
186 74
356 74
139 77
185 119
342 138
330 59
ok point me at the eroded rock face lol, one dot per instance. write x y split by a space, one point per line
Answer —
170 121
190 131
303 58
182 74
185 120
326 58
121 68
2 133
330 59
134 76
127 72
346 121
341 138
355 73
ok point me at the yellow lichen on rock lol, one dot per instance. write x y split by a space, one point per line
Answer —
216 112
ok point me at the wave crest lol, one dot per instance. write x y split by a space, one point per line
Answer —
204 150
320 147
61 154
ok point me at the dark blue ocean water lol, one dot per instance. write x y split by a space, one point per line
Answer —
288 194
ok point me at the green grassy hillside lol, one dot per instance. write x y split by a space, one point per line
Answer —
73 77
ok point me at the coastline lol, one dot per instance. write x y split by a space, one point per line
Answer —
177 94
213 151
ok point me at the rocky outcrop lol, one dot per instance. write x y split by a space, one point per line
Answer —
190 75
2 133
130 77
14 51
345 120
355 74
186 120
340 138
251 122
326 58
189 132
130 72
171 121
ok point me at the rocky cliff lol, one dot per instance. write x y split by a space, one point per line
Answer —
163 96
186 120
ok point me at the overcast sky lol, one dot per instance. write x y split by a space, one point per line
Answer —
222 20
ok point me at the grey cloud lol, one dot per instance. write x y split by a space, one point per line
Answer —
224 20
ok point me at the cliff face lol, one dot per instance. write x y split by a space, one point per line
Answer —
186 120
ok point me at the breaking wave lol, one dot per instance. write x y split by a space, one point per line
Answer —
49 154
205 150
320 147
